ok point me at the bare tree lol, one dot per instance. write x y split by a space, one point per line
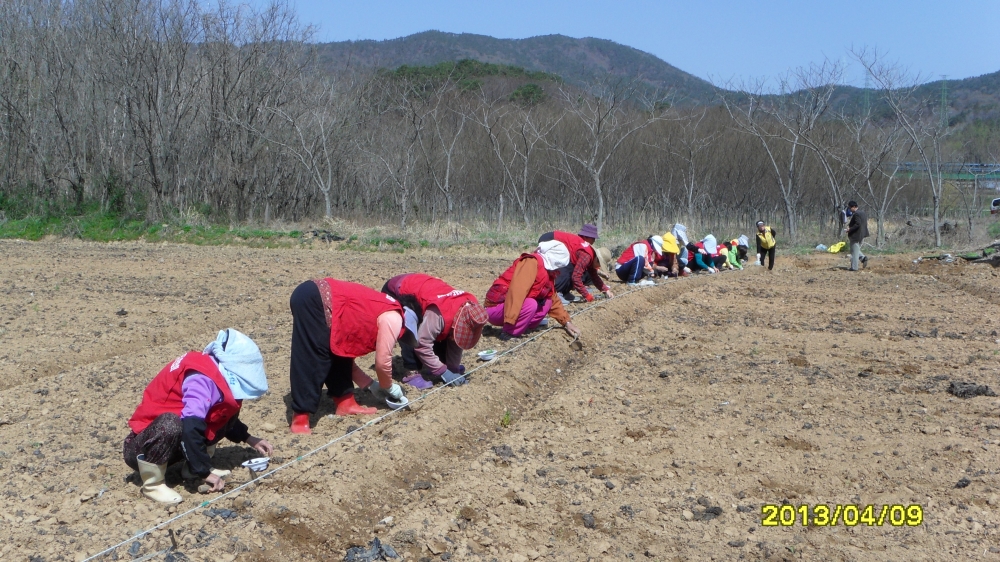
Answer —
391 145
320 134
610 112
690 146
515 132
873 157
174 109
788 119
916 118
438 146
969 192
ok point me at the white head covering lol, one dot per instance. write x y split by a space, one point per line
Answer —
657 242
241 364
711 246
554 254
743 240
680 232
410 320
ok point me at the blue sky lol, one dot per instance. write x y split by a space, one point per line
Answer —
712 39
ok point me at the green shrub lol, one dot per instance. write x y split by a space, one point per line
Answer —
528 95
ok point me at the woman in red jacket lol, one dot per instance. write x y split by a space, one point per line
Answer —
638 259
583 264
333 323
451 321
188 407
524 295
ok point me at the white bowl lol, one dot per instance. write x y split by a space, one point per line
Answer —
487 354
257 465
397 405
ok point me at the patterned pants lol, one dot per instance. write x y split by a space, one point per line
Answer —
160 442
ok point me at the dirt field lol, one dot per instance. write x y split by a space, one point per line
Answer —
691 405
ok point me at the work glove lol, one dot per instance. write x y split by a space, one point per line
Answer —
589 297
453 378
394 392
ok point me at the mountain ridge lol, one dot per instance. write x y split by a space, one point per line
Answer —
575 60
581 60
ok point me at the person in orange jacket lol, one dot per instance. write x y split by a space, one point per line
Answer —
524 294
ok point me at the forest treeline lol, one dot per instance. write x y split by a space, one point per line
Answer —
162 108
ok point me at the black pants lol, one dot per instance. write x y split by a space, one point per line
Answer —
719 261
313 364
768 253
741 253
564 280
160 442
410 359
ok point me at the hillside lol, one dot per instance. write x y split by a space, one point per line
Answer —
577 61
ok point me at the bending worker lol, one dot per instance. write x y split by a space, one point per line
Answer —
637 260
188 407
333 323
450 321
668 264
583 264
522 296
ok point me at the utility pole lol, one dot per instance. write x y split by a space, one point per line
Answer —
944 101
866 99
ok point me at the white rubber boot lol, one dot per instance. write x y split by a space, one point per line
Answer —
188 475
153 482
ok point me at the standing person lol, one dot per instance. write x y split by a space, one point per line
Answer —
333 323
188 407
845 217
765 244
583 264
451 321
637 260
845 221
524 294
857 231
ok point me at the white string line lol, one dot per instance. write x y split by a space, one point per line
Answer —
369 423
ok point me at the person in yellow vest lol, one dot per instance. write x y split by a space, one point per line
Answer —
765 244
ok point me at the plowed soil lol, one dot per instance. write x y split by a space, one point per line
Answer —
691 406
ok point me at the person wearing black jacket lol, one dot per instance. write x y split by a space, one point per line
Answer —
857 231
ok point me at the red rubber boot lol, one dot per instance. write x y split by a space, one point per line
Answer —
348 406
300 423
